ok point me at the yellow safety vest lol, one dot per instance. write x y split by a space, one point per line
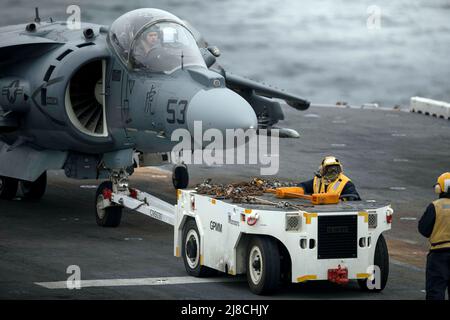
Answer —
440 237
335 187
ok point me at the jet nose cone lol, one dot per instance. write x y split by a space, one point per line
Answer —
221 109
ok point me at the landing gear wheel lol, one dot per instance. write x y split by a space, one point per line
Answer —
34 190
263 265
110 216
180 176
381 260
190 251
8 188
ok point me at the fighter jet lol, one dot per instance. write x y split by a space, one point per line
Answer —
89 100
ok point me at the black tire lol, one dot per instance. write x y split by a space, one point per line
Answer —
8 188
381 260
180 177
263 254
190 251
34 190
285 267
107 217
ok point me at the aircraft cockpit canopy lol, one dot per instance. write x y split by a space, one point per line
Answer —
154 40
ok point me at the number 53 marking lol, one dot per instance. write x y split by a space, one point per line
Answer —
173 105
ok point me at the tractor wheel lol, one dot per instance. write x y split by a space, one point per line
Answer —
190 251
263 265
381 260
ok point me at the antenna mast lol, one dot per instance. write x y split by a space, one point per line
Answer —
182 62
37 19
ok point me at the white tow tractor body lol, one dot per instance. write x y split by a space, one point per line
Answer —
327 242
268 240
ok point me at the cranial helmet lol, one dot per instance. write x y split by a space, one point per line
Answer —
330 168
443 183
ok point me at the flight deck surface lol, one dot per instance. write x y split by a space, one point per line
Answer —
389 155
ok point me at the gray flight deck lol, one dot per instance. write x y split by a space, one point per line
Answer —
391 155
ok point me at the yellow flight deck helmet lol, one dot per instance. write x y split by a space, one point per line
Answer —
330 168
443 183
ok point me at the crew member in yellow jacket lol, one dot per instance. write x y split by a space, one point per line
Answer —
435 225
331 179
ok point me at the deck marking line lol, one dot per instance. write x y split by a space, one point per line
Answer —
406 265
136 282
338 145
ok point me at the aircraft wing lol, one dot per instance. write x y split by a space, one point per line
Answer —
237 82
15 45
25 163
242 84
247 86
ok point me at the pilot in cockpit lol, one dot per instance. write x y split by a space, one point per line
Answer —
151 39
148 41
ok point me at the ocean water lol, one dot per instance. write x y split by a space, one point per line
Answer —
322 50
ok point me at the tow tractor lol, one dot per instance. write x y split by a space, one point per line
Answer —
269 240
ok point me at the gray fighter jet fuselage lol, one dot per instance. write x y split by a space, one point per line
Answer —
85 100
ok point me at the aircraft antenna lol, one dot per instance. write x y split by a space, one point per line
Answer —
182 58
37 19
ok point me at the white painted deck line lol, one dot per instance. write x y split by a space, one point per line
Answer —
136 282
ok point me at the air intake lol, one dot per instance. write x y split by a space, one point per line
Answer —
85 100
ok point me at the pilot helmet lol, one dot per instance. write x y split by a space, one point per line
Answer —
152 29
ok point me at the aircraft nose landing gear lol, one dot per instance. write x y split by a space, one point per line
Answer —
180 176
108 214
